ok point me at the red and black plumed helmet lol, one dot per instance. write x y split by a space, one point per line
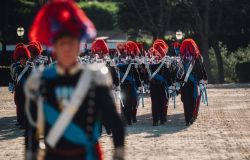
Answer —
21 52
161 47
100 47
58 17
34 49
19 44
132 48
38 46
189 46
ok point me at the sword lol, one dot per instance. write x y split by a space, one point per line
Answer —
172 90
204 93
142 92
120 96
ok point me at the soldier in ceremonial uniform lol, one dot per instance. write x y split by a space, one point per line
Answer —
14 64
12 74
129 82
194 73
67 102
13 79
100 48
36 50
20 72
159 79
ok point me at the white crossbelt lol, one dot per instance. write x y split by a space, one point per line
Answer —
148 69
157 70
126 73
70 108
190 68
22 73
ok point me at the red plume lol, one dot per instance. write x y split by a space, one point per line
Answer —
189 46
21 52
60 16
159 40
19 44
132 48
100 46
162 48
34 49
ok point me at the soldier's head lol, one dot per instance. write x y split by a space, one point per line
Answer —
61 25
189 48
132 49
34 50
66 48
120 48
157 56
19 44
100 48
161 47
21 54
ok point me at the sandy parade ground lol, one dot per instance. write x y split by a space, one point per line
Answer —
222 131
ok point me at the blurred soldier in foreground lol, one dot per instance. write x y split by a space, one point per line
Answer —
67 102
195 74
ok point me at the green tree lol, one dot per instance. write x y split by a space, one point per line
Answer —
151 16
103 14
217 20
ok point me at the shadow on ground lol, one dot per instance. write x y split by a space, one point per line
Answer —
175 123
8 129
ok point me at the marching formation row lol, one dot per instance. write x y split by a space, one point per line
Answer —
134 72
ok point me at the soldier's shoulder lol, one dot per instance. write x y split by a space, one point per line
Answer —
119 65
49 72
100 73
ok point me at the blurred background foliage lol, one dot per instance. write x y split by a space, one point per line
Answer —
220 27
103 14
230 60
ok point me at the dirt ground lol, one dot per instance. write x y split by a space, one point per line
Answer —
222 131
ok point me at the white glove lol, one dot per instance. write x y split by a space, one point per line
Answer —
205 82
118 88
140 89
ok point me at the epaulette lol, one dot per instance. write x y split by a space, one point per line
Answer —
101 75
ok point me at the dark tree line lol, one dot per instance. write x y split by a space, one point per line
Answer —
207 21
